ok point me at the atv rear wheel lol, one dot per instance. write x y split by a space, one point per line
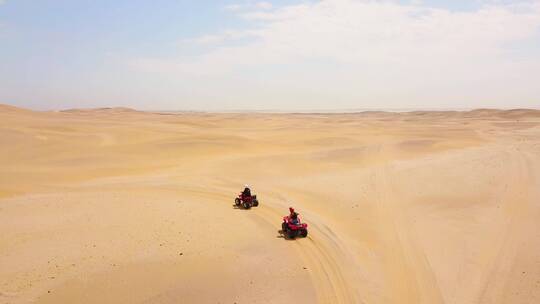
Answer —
247 205
284 227
255 203
292 234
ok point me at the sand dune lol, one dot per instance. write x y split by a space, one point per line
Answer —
119 206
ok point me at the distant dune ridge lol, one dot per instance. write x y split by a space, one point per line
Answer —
4 108
115 205
521 112
115 110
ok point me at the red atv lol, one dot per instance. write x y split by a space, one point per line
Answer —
291 229
246 201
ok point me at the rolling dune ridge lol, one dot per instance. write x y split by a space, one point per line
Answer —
114 205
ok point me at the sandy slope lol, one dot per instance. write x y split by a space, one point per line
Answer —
120 206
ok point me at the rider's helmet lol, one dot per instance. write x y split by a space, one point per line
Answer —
291 209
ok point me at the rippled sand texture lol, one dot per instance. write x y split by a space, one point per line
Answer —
120 206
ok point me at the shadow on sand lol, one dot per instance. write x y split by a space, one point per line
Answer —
283 235
239 207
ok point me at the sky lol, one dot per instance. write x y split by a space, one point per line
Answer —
270 55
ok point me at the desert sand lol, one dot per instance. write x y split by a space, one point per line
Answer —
120 206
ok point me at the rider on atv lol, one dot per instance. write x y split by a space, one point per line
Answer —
246 192
292 227
293 216
246 199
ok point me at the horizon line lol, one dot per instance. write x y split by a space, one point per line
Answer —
278 111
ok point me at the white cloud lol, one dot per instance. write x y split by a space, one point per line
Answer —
264 5
248 5
357 52
222 37
234 7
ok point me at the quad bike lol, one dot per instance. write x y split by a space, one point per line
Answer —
246 201
293 229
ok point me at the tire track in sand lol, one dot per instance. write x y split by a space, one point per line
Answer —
331 267
516 198
407 269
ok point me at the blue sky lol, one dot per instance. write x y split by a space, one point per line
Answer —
223 55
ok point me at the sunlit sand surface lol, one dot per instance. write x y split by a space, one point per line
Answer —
119 206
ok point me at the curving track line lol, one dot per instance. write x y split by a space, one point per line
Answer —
330 266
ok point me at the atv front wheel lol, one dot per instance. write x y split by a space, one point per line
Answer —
255 203
237 201
303 233
247 205
284 227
